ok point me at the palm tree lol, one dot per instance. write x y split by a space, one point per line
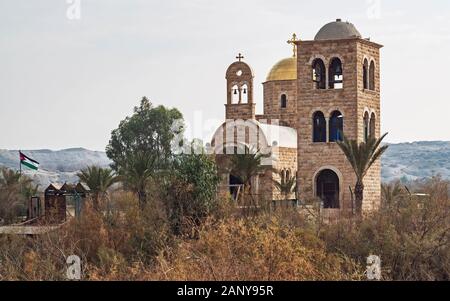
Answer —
391 193
99 181
287 185
361 157
246 166
15 189
137 172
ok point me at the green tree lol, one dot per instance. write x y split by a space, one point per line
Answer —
248 165
391 194
99 181
361 157
15 190
287 185
136 173
141 146
191 190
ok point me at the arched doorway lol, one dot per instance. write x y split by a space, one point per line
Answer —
327 187
236 187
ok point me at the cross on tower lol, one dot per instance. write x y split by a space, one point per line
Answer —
240 57
292 42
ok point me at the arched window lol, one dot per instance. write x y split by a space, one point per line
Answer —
366 126
336 77
319 77
283 176
327 188
244 94
235 94
283 101
288 175
365 74
336 126
372 125
319 127
372 76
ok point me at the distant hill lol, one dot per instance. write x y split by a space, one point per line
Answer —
406 161
417 160
55 166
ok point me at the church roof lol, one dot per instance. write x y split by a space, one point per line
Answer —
272 135
279 136
285 69
337 30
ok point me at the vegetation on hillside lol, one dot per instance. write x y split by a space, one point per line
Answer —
166 221
132 242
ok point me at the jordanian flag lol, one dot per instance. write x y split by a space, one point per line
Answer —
28 162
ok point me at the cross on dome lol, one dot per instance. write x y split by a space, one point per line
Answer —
292 42
240 57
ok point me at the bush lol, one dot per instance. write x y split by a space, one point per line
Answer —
411 236
254 250
190 194
110 244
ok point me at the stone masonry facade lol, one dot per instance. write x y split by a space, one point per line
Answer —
357 98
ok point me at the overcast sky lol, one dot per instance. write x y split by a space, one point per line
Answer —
67 82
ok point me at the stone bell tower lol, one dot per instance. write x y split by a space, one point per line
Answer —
240 103
338 91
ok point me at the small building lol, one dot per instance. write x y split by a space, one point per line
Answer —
57 198
55 203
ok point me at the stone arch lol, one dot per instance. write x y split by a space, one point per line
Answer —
366 125
317 56
235 92
319 73
239 73
372 124
221 141
365 73
319 127
336 126
283 100
318 190
244 92
372 68
335 73
331 110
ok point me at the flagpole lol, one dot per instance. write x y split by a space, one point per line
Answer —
20 172
20 165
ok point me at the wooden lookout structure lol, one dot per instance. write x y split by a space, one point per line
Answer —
56 200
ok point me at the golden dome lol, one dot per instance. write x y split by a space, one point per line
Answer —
285 69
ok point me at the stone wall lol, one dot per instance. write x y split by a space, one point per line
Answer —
272 102
286 159
369 101
309 159
314 157
240 111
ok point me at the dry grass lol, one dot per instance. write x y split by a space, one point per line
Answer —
126 243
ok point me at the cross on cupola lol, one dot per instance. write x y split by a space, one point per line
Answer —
240 57
292 42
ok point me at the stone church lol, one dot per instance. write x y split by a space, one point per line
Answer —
329 86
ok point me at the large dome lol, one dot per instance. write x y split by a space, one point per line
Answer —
337 31
285 69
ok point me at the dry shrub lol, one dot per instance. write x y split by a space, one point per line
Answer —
113 245
412 236
254 250
124 241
